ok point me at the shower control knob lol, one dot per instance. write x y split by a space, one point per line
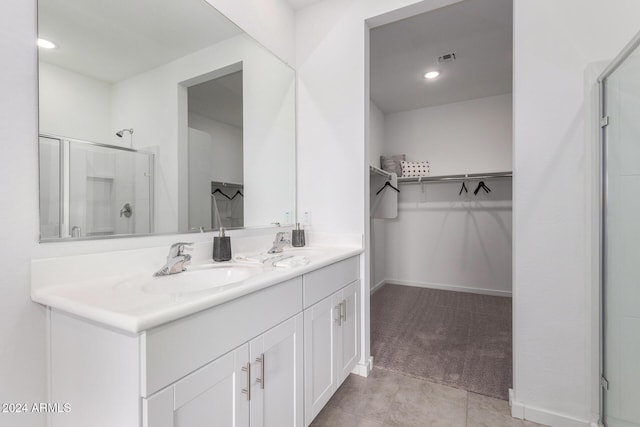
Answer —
126 211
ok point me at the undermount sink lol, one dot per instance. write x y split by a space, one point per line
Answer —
199 278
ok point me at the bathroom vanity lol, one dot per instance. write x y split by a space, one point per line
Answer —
221 344
270 349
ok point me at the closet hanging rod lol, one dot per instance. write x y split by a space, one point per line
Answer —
225 184
454 178
379 171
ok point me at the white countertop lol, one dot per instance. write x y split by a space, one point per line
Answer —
128 302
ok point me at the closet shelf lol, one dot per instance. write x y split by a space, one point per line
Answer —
378 171
454 178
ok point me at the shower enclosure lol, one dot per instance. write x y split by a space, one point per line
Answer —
90 190
620 123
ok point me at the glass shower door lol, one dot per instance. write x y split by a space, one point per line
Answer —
621 238
109 191
93 190
51 188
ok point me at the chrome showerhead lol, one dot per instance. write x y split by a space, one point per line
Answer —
121 132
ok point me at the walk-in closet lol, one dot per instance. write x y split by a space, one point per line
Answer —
440 149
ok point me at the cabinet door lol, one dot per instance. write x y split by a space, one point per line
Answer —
348 348
277 393
321 328
211 396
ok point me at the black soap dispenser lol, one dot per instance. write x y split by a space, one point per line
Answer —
297 237
221 247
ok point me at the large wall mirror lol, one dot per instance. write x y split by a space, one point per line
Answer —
159 116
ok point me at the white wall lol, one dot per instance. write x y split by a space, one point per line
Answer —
441 239
224 153
376 134
446 241
269 22
377 226
553 195
464 137
22 323
74 105
215 154
200 156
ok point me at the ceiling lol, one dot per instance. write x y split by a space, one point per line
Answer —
219 99
479 32
123 38
300 4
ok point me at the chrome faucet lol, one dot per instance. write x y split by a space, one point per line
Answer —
177 260
279 243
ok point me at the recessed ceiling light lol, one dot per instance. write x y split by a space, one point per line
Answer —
46 44
432 75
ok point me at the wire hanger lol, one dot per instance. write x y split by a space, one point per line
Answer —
387 184
217 190
481 185
238 193
464 187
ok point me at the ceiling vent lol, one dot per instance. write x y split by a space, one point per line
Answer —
447 57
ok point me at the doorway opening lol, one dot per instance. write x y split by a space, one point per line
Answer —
440 150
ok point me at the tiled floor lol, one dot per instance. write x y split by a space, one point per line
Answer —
386 399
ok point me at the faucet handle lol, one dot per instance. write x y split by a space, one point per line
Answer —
282 237
179 248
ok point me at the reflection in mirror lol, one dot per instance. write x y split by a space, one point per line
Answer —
92 181
159 116
216 193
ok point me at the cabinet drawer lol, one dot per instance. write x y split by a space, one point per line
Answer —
319 284
171 351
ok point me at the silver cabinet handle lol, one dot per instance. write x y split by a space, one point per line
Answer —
343 310
261 379
338 309
247 390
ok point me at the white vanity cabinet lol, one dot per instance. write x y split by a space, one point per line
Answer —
330 332
213 395
269 358
259 384
277 376
347 350
186 372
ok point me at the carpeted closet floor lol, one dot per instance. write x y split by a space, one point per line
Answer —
454 338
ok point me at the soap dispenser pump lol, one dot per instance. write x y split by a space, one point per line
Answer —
297 236
221 247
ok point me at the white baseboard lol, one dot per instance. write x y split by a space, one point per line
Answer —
445 287
377 286
544 416
363 369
